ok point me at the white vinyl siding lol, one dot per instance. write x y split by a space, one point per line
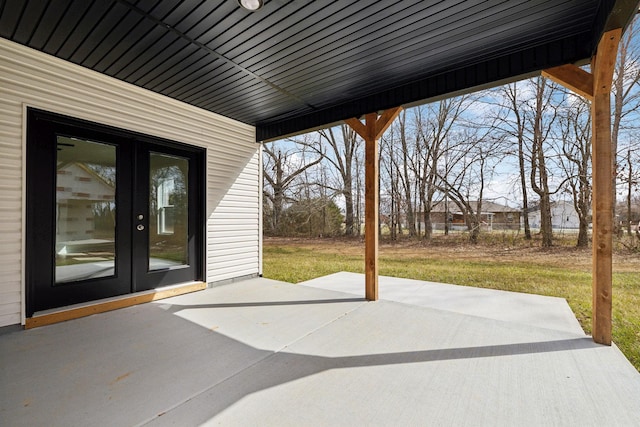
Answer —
29 78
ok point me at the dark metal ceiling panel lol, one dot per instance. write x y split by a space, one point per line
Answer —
300 64
155 58
194 63
43 26
199 79
112 58
10 18
284 41
30 17
111 46
344 38
95 15
407 49
138 53
242 28
66 26
94 33
164 62
410 60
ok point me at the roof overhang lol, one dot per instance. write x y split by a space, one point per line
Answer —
298 65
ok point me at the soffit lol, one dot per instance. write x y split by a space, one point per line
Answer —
302 64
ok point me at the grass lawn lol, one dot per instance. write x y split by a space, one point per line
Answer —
497 263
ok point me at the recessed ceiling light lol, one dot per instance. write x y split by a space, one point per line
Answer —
251 5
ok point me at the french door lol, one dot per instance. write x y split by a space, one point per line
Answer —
109 212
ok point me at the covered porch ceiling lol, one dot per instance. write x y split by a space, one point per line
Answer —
297 65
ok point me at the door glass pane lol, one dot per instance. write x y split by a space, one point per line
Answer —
85 209
168 211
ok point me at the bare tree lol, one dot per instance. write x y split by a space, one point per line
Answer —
435 124
343 150
472 157
575 129
281 168
629 174
406 167
388 184
358 194
401 160
626 91
513 125
541 118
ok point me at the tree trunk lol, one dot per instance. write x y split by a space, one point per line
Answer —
428 228
446 215
521 159
475 233
539 174
344 153
409 208
629 191
475 230
349 216
545 220
583 234
523 185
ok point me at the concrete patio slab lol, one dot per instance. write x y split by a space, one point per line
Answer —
262 352
527 309
390 364
269 318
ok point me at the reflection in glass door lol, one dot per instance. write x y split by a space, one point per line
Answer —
85 210
108 212
167 241
168 211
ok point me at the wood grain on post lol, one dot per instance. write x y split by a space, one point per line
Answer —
603 192
371 131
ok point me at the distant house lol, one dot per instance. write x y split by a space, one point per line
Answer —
563 216
494 216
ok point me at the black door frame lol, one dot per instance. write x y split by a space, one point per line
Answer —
41 294
143 279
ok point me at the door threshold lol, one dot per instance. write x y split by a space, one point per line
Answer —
57 315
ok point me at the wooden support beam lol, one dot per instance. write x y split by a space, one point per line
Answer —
573 78
371 209
602 66
384 121
371 131
358 127
596 87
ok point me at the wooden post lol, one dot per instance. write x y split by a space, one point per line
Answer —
371 132
602 67
596 87
371 209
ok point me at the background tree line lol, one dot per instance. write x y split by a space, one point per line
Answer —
526 143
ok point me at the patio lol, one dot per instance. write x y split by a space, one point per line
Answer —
262 352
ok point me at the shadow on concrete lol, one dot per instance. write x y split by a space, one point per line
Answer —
146 365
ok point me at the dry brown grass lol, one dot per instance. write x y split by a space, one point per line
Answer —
456 249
